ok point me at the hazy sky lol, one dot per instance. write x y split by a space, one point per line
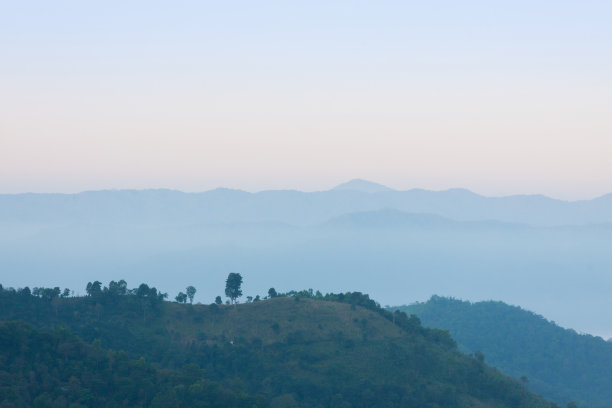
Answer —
500 97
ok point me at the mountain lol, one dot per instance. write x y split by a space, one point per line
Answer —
528 250
559 364
290 207
294 350
362 185
390 219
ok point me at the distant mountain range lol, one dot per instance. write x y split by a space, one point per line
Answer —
294 207
559 364
548 255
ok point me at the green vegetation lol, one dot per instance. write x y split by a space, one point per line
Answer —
57 369
557 363
232 286
130 347
191 291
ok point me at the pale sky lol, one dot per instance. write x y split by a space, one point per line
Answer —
503 97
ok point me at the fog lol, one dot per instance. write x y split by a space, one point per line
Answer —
563 271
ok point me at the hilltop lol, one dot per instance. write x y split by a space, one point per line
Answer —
364 186
558 363
304 350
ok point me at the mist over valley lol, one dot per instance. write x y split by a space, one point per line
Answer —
547 255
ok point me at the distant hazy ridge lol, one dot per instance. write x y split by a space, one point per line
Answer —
400 246
295 207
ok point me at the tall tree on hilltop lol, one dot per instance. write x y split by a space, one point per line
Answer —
191 291
232 286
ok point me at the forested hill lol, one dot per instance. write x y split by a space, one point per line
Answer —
558 363
134 349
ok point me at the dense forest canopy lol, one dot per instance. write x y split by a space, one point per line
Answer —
555 362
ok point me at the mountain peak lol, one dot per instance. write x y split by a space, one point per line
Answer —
363 186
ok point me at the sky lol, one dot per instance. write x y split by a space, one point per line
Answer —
504 97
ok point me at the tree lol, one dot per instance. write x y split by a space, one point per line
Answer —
117 288
218 300
191 291
50 294
232 286
144 290
94 289
181 298
272 293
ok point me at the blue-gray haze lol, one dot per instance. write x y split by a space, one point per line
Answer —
550 256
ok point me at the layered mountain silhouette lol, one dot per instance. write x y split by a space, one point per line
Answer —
399 246
295 207
391 219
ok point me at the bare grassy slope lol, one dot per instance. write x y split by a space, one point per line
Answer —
275 319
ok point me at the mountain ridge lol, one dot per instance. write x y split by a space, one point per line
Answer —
301 350
297 207
342 186
559 363
389 218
